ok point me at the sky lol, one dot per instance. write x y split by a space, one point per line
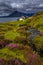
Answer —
25 5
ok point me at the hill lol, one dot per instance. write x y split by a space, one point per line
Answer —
37 21
21 41
20 14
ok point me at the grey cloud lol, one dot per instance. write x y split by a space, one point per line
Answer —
25 5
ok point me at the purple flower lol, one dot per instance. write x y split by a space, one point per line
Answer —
11 46
1 60
34 55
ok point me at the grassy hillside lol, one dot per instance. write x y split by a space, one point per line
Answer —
21 42
37 21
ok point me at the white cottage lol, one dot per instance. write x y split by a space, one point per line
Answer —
22 18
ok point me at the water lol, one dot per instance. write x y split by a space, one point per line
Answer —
6 19
34 32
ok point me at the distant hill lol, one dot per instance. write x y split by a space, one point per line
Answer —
19 14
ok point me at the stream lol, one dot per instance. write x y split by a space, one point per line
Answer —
33 32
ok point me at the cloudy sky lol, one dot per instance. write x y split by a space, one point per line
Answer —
25 5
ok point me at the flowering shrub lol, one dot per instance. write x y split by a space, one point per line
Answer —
11 46
33 59
1 61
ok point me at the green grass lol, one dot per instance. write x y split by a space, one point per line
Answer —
37 21
10 35
7 54
38 41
